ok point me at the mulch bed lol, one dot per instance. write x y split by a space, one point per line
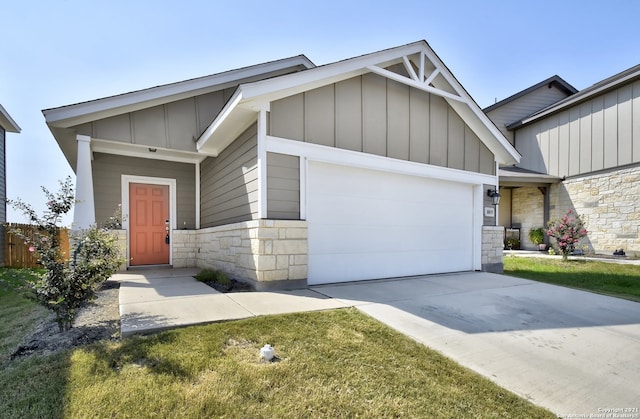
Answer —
233 286
97 320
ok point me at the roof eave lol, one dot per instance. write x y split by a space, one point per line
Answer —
584 95
80 113
7 123
232 121
243 106
489 133
553 80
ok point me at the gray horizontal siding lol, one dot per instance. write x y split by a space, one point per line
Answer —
375 115
107 177
601 133
173 125
3 179
283 187
524 106
229 183
3 193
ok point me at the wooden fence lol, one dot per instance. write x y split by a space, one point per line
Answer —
16 251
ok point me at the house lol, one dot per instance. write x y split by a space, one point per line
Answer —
581 151
7 124
372 167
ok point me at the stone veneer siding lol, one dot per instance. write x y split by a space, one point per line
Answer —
257 250
608 203
492 246
527 211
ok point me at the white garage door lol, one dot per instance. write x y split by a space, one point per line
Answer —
367 224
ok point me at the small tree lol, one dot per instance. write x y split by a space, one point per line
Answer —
68 282
567 232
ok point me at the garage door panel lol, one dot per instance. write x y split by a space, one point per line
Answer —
366 224
332 240
349 210
358 266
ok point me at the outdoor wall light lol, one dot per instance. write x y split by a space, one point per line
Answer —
494 195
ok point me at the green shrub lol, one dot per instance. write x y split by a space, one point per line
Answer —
211 275
536 235
66 284
512 243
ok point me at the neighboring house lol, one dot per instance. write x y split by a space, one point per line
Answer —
372 167
580 151
7 124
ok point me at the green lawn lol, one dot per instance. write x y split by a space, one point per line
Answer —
18 314
338 363
612 279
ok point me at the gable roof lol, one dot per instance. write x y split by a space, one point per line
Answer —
79 113
426 72
6 122
553 81
627 76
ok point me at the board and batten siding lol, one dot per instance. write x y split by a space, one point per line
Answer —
107 177
375 115
283 187
601 133
524 106
173 125
229 183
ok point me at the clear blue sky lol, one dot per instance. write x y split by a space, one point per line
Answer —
56 53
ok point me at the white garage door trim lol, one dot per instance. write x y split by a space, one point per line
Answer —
366 224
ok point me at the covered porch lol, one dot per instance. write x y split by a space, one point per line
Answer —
525 203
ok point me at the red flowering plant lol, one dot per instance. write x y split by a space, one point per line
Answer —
567 232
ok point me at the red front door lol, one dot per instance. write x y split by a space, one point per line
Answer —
148 213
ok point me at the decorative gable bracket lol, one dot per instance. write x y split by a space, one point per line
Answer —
417 80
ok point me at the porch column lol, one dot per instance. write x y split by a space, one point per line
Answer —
84 213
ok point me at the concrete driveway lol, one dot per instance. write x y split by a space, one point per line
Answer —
570 351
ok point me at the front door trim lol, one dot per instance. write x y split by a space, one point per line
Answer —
171 183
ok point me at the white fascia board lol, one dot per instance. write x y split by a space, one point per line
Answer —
136 150
243 107
579 97
7 122
487 131
255 95
315 152
330 73
80 113
232 121
220 119
273 89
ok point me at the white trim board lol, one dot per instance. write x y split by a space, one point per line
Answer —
125 180
66 116
140 151
261 136
370 161
250 97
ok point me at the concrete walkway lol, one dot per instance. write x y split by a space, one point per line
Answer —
570 351
153 300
